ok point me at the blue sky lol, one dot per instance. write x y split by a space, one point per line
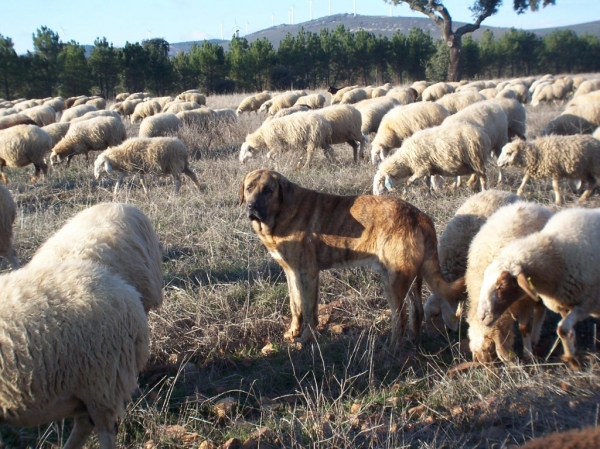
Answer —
185 20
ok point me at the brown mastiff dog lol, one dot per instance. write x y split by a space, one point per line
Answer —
307 231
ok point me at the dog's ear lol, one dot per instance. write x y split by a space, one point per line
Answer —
242 198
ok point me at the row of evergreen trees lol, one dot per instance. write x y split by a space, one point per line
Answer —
306 60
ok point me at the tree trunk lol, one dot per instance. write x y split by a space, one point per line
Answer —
454 66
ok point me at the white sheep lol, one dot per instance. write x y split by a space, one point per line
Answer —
313 101
587 111
57 131
555 157
436 91
404 95
420 87
453 150
253 102
127 107
57 104
453 248
145 109
354 96
346 124
337 96
549 92
41 115
122 96
402 122
592 97
567 125
74 337
195 97
98 102
117 236
287 111
94 114
520 92
159 125
23 145
225 114
285 100
372 112
76 111
199 117
8 213
138 96
83 99
506 225
559 264
180 106
95 134
516 114
596 134
489 93
587 86
157 156
12 120
457 101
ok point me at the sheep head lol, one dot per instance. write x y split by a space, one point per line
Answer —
376 155
381 183
101 161
246 152
511 153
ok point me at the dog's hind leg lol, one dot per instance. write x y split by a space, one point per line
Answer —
396 288
415 310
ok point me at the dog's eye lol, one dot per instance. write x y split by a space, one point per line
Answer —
267 190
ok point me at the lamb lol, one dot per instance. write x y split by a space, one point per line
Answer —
122 96
145 109
74 338
98 102
23 145
459 100
308 131
160 125
157 156
57 131
508 224
515 112
567 125
436 91
181 106
336 96
558 265
286 100
354 96
346 124
587 438
12 120
41 115
587 86
8 213
76 111
117 236
94 114
453 248
253 102
199 117
402 122
555 157
314 101
95 134
193 97
372 112
452 150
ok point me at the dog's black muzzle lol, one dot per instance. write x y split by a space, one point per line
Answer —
255 212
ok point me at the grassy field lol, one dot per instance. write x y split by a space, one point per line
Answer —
220 373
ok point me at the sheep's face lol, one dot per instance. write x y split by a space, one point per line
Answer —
438 313
499 290
510 154
55 159
246 152
99 164
263 107
382 183
481 345
238 112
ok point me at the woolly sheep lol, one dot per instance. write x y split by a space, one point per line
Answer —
506 225
589 112
549 92
198 117
379 92
288 111
436 91
372 112
157 156
559 264
74 338
119 237
346 124
193 97
403 95
94 114
419 86
555 157
567 125
453 248
41 115
587 438
452 150
81 100
592 97
489 93
516 114
308 131
145 109
520 90
337 96
159 125
99 102
8 213
266 105
128 107
286 100
478 85
57 131
138 96
225 114
76 111
181 106
90 135
20 107
402 122
459 100
9 111
161 100
314 101
12 120
253 102
68 103
23 145
122 96
354 96
587 86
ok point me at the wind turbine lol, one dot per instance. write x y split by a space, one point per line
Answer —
329 7
247 25
354 8
63 34
272 19
292 14
311 16
149 32
221 30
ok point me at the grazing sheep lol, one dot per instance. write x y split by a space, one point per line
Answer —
119 237
156 156
160 125
138 96
506 225
127 107
404 95
549 92
489 93
337 96
161 100
346 124
253 102
308 131
589 112
420 87
9 111
81 100
287 111
555 157
472 86
459 100
98 102
145 109
453 249
577 81
225 114
68 103
519 90
592 97
181 106
452 150
95 134
122 96
516 114
8 213
193 97
314 101
285 100
402 122
567 125
94 114
199 117
76 111
354 96
55 103
12 120
587 86
23 145
74 338
41 115
57 131
436 91
558 265
588 438
372 112
266 105
378 92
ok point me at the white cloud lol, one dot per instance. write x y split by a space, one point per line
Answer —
196 36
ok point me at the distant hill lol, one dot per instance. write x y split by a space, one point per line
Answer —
377 25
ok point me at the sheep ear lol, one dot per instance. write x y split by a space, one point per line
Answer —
242 198
107 167
527 286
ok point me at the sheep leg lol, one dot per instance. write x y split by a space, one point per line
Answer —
190 174
472 180
556 188
69 157
591 183
310 150
355 152
119 183
501 178
81 432
567 336
521 188
483 181
144 184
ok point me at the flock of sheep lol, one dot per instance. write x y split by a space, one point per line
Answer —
518 258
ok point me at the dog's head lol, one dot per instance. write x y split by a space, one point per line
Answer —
265 192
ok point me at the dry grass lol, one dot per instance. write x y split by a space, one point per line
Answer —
218 335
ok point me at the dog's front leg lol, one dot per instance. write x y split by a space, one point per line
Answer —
304 298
